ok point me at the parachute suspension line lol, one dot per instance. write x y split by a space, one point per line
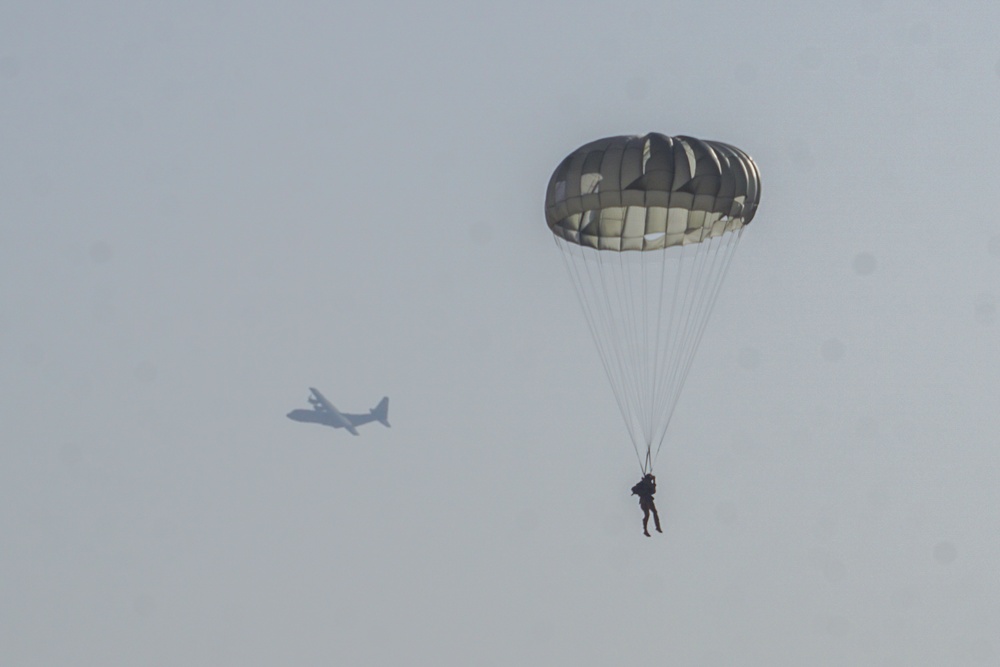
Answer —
722 257
647 408
655 362
664 349
688 309
630 273
646 295
648 355
589 308
633 265
652 321
724 251
600 327
651 364
591 312
647 367
688 278
687 329
624 341
663 337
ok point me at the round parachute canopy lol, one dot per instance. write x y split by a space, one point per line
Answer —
680 203
648 192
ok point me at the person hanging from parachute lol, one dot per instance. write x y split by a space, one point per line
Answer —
647 226
645 490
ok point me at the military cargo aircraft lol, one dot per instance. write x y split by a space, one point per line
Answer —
323 412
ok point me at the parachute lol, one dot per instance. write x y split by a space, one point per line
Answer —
647 226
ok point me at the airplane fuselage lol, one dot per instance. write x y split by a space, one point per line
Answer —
312 416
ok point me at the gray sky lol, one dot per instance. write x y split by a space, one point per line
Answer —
208 207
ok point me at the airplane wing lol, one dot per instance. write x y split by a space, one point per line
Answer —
320 403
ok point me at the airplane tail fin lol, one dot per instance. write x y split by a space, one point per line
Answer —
381 412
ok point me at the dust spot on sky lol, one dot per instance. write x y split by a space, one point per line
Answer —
726 513
10 67
864 264
612 525
981 650
637 88
800 437
569 104
920 33
713 658
641 17
801 154
481 234
527 520
832 350
101 252
145 373
878 500
482 341
868 427
904 598
986 309
903 92
745 445
825 528
947 60
868 63
33 354
541 632
748 358
41 184
71 455
130 119
834 625
834 570
102 307
144 605
811 58
945 552
994 246
745 72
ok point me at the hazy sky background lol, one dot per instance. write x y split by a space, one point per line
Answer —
207 207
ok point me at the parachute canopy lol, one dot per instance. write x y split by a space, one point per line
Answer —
646 193
682 203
